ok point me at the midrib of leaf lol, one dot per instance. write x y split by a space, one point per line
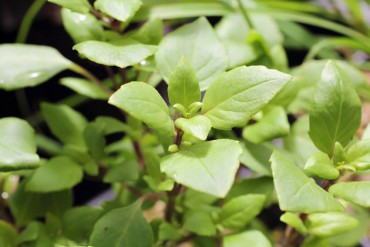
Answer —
125 229
340 114
12 150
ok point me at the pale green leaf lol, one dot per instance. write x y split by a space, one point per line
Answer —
84 87
236 95
150 33
199 43
81 6
356 192
200 223
120 53
335 112
121 10
17 145
256 157
122 227
260 185
29 65
198 126
296 192
294 221
359 154
239 211
208 167
144 103
57 174
183 85
249 238
319 164
8 235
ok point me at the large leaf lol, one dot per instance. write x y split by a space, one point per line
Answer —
120 53
356 192
199 43
29 65
8 234
237 95
121 10
296 192
143 102
81 6
335 112
122 227
249 238
208 167
17 145
57 174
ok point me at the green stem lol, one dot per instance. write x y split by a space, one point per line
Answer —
28 19
245 14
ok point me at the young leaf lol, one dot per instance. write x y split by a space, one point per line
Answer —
144 103
65 123
29 65
123 227
199 43
8 234
57 174
256 157
200 223
120 53
356 192
336 108
150 33
198 126
121 10
168 232
17 145
80 6
294 221
237 95
330 223
248 238
183 85
239 211
95 141
128 171
111 125
296 192
84 87
319 164
208 167
359 154
260 185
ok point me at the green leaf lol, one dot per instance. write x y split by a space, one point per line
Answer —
95 141
330 223
183 85
249 238
111 125
239 211
273 124
144 103
256 157
294 221
17 145
120 53
84 87
65 123
124 227
199 43
320 165
200 223
81 27
198 126
168 232
8 235
26 206
121 10
359 154
236 95
78 222
150 33
260 185
29 65
208 167
196 200
127 171
57 174
356 192
336 108
296 192
81 6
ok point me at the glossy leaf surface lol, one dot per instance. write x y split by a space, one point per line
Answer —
198 126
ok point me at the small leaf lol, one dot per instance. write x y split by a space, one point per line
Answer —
198 126
84 87
168 232
8 234
256 157
121 10
249 238
330 223
183 85
125 227
95 141
356 192
235 96
294 221
144 103
120 53
17 145
199 43
127 171
80 6
29 65
359 154
200 223
336 108
208 167
150 33
57 174
111 125
260 185
239 211
320 165
296 192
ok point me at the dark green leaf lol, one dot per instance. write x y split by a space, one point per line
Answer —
200 223
356 192
95 141
127 171
168 232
